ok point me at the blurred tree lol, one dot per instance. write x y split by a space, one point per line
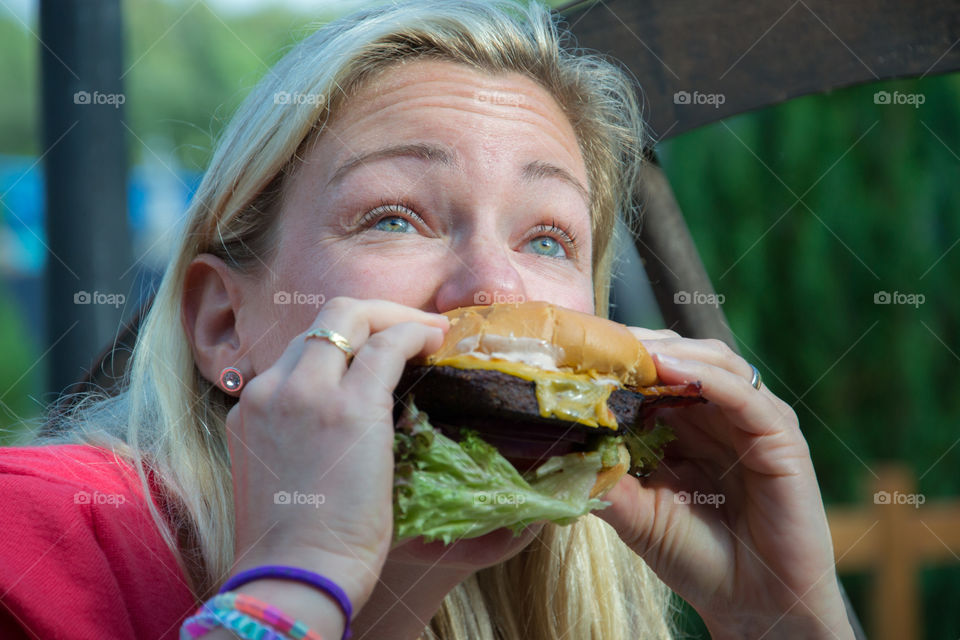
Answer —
188 68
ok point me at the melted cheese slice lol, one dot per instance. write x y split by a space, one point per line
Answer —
577 397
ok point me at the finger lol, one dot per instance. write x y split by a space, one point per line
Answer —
653 334
719 354
749 409
381 361
715 352
631 512
321 361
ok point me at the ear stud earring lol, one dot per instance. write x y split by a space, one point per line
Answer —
231 379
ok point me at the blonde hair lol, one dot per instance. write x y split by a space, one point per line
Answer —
579 581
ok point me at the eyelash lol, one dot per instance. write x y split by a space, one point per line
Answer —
402 207
398 206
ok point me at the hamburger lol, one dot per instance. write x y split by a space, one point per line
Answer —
527 412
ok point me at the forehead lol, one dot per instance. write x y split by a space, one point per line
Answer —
482 114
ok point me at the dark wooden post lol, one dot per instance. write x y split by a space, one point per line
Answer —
84 155
681 285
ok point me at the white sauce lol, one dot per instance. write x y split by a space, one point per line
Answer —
531 351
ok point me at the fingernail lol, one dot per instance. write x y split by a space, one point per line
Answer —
444 320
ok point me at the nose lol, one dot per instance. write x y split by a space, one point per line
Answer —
480 274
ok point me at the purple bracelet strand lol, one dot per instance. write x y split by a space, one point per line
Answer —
296 574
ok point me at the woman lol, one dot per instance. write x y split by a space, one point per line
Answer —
392 166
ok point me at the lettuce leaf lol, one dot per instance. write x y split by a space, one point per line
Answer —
447 490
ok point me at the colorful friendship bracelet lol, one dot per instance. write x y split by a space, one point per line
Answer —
242 625
243 614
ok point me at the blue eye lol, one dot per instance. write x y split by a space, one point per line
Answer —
553 242
547 246
394 224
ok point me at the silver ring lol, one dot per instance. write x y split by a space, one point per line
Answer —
757 379
333 338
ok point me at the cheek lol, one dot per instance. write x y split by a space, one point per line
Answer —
572 295
363 274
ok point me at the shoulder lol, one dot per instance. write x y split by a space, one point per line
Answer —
63 466
79 484
78 533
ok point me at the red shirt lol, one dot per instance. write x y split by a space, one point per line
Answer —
80 557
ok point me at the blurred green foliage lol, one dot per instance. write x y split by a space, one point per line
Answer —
21 373
19 108
878 211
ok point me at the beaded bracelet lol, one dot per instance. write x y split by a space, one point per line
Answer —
243 614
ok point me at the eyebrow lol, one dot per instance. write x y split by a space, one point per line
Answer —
538 170
422 151
535 170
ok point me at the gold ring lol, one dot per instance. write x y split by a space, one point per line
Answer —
333 338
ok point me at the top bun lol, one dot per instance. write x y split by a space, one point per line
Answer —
585 343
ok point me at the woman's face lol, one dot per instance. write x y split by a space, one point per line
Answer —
437 187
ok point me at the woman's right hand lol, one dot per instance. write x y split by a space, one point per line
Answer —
311 445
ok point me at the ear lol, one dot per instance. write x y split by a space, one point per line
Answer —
212 298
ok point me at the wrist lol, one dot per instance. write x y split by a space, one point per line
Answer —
314 607
780 625
355 578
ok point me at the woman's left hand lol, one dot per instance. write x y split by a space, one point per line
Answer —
733 520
